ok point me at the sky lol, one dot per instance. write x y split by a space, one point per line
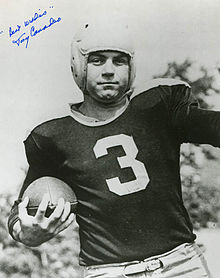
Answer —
36 82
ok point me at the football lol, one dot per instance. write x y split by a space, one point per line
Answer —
55 188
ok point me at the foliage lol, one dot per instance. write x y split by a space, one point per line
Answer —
201 81
202 201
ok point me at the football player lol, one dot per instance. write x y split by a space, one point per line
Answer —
119 150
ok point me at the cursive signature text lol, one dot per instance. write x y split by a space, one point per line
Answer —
22 39
25 37
34 31
34 18
31 27
12 32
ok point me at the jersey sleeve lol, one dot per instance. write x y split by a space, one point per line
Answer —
41 163
41 160
192 124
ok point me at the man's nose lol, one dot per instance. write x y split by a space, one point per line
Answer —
108 69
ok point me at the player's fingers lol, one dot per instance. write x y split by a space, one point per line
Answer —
24 203
16 230
66 212
22 208
42 207
57 212
66 224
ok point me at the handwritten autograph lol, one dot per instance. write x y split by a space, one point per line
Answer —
12 32
34 18
33 31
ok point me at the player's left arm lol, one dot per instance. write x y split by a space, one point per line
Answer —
193 124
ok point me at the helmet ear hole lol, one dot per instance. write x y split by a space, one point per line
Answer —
71 68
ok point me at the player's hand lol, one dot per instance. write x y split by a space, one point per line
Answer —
34 230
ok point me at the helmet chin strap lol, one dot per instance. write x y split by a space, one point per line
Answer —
85 73
129 93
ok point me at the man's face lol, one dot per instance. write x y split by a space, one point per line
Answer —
107 76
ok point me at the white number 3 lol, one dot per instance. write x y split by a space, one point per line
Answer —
129 160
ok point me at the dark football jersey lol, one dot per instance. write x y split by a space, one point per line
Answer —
125 171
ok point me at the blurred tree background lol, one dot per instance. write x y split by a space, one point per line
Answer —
59 256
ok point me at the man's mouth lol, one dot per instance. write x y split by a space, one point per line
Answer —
107 83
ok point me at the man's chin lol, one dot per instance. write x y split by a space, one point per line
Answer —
109 95
109 100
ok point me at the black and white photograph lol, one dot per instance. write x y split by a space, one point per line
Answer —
110 139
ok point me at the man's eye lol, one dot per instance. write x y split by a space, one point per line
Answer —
96 61
121 61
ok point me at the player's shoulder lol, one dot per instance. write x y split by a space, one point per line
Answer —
164 83
51 127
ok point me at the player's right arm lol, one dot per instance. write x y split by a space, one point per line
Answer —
35 230
43 161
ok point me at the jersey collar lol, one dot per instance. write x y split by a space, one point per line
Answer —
89 121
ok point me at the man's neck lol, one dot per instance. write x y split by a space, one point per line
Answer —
100 111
